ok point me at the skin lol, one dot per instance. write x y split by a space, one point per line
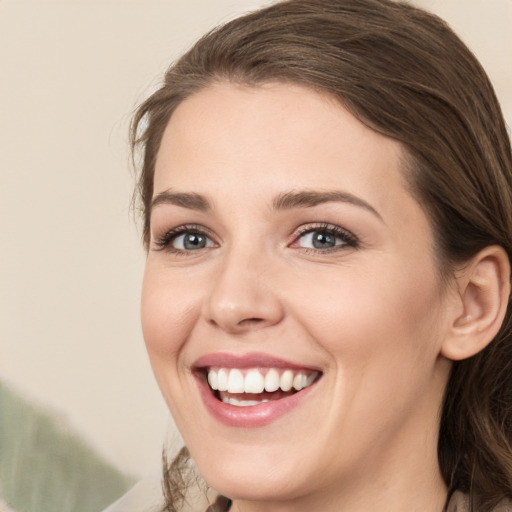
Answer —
372 315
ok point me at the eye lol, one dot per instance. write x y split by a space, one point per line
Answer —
326 237
184 239
191 242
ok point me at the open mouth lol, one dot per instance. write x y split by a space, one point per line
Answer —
253 386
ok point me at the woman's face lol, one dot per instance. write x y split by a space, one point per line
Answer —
286 250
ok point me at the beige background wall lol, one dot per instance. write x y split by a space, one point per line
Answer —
70 260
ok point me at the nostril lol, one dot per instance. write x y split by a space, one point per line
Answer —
246 324
250 321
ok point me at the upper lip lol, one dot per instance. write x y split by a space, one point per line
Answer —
248 360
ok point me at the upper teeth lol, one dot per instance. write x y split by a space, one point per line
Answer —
254 381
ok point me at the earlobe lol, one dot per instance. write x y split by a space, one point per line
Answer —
483 296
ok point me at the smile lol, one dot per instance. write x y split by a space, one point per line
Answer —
253 386
252 390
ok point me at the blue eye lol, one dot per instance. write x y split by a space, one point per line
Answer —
191 242
325 238
184 239
319 240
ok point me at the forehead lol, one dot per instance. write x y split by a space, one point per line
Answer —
231 141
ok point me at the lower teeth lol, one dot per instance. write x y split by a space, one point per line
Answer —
242 403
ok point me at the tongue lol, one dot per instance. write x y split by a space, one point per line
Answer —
275 395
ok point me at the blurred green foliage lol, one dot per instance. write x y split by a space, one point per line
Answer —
44 467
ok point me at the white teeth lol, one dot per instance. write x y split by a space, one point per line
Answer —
213 380
286 380
299 381
254 382
310 379
222 380
272 380
242 403
234 381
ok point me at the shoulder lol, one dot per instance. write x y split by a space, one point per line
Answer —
459 502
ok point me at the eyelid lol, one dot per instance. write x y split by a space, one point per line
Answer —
164 242
349 239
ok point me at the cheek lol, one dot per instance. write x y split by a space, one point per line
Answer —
168 309
386 313
168 313
382 337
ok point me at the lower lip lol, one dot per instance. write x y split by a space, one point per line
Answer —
250 416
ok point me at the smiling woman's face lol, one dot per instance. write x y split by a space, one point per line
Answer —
286 250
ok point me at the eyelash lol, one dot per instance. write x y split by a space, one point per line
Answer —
164 242
349 239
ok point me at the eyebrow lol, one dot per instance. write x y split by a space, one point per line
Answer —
285 201
189 200
310 198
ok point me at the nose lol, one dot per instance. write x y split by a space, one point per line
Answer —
243 296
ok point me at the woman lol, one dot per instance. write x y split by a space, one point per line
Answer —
326 191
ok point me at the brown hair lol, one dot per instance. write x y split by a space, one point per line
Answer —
406 75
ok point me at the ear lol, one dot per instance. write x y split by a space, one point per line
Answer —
483 292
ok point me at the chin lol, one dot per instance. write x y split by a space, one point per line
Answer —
250 483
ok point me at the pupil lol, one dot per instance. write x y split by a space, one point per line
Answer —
322 240
194 241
